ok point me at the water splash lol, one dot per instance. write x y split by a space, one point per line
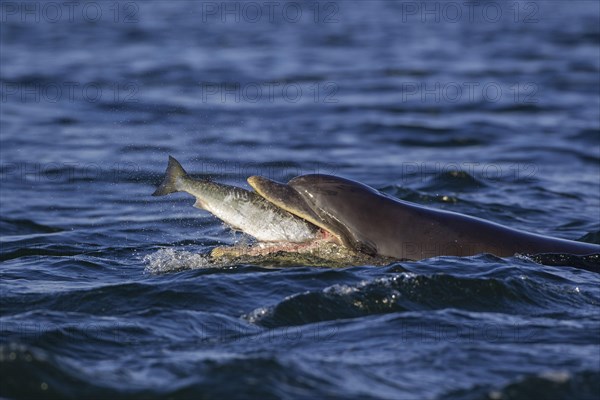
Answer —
170 260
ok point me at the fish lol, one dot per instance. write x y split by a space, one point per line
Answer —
241 209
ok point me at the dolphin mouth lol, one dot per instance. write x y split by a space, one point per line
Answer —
327 243
330 248
300 201
287 198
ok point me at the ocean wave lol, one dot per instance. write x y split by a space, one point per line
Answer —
412 292
549 385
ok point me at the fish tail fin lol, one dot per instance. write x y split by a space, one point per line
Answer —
172 176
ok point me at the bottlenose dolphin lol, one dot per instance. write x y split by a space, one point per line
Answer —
315 211
367 221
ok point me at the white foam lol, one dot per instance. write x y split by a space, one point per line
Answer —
258 314
340 289
168 260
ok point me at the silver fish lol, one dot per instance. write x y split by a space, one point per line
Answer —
239 208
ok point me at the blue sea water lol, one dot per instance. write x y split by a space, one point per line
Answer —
486 108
